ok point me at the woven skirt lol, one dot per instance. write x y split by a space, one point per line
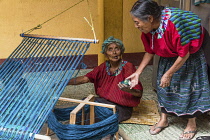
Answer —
189 90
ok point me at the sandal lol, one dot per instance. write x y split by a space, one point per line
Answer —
203 138
188 132
152 132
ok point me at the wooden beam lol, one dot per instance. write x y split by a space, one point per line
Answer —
187 5
92 112
78 108
89 103
60 38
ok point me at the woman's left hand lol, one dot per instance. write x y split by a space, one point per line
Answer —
165 81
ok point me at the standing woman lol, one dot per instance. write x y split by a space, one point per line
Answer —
181 42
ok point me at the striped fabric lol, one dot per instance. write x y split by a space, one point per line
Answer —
189 89
198 2
187 23
166 14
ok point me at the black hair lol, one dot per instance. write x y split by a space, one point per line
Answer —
144 8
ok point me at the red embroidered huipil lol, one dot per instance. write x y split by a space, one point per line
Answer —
106 85
167 40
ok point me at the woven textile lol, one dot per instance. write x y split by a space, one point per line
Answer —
187 23
145 113
189 89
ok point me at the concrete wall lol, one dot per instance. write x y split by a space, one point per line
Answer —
131 35
110 18
18 16
203 11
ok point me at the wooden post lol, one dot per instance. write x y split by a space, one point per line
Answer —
83 116
92 112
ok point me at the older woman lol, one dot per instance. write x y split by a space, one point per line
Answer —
181 42
107 79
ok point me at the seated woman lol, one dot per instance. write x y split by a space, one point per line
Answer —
107 79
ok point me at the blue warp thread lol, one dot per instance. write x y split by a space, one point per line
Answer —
32 79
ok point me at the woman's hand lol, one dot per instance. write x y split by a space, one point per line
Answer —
166 78
134 78
134 92
124 87
165 81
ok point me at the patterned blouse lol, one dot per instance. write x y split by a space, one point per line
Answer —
179 32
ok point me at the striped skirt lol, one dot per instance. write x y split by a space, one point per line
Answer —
189 90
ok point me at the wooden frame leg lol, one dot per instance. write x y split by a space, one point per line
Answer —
79 107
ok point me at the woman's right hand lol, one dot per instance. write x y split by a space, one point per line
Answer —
134 78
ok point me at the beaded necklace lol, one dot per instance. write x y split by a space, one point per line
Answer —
108 66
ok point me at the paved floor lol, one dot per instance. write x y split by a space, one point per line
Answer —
135 131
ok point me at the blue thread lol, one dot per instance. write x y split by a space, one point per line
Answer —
108 125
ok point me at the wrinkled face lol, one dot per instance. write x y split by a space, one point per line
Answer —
143 26
113 52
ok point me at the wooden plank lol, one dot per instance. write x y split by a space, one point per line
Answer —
83 116
92 113
187 5
77 109
72 118
89 103
60 38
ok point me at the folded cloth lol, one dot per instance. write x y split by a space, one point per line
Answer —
197 2
203 138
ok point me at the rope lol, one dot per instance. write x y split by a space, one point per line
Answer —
40 25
